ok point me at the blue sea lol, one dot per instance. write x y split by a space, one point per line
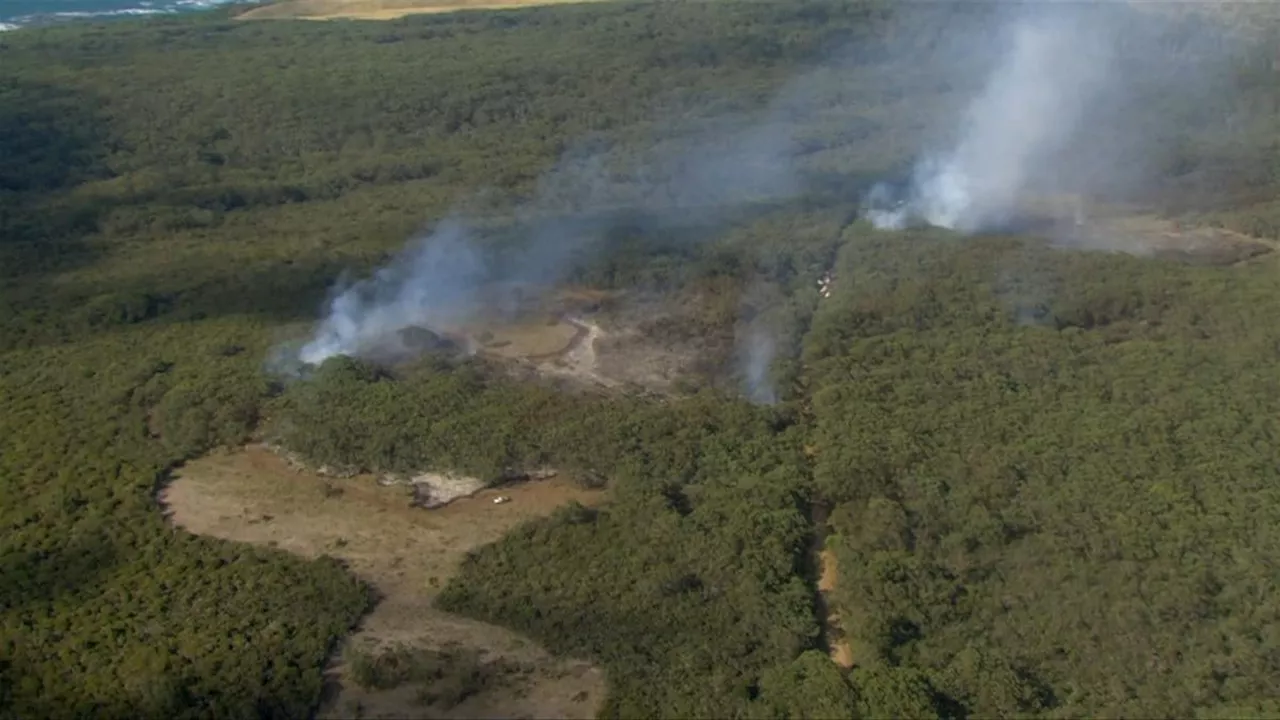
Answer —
18 13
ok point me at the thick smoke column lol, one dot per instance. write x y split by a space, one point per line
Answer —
431 283
1054 64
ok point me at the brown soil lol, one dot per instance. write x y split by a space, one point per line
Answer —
532 339
381 9
539 325
568 334
408 554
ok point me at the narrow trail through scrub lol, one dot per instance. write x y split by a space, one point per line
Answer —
833 638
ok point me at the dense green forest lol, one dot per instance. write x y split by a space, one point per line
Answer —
1064 512
1051 476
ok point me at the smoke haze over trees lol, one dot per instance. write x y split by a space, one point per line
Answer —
1081 98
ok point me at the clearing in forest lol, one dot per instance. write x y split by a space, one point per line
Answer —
530 340
595 338
382 9
254 495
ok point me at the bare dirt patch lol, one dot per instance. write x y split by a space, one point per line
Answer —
589 337
656 342
531 339
408 554
582 337
381 9
579 361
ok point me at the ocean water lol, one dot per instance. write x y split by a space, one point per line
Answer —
18 13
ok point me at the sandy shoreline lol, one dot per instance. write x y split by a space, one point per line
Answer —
382 9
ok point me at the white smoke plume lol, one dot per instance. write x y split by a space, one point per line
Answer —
1059 112
1052 66
432 283
758 349
435 282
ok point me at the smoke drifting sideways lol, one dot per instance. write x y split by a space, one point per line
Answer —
1078 101
437 280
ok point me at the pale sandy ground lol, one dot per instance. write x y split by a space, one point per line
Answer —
531 339
382 9
579 360
254 496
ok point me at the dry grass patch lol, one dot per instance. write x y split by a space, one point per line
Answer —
408 554
382 9
841 650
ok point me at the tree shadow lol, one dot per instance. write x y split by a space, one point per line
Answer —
51 140
41 575
39 314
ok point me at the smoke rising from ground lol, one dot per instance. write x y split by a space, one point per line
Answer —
757 337
431 283
1072 105
435 281
1076 98
759 349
